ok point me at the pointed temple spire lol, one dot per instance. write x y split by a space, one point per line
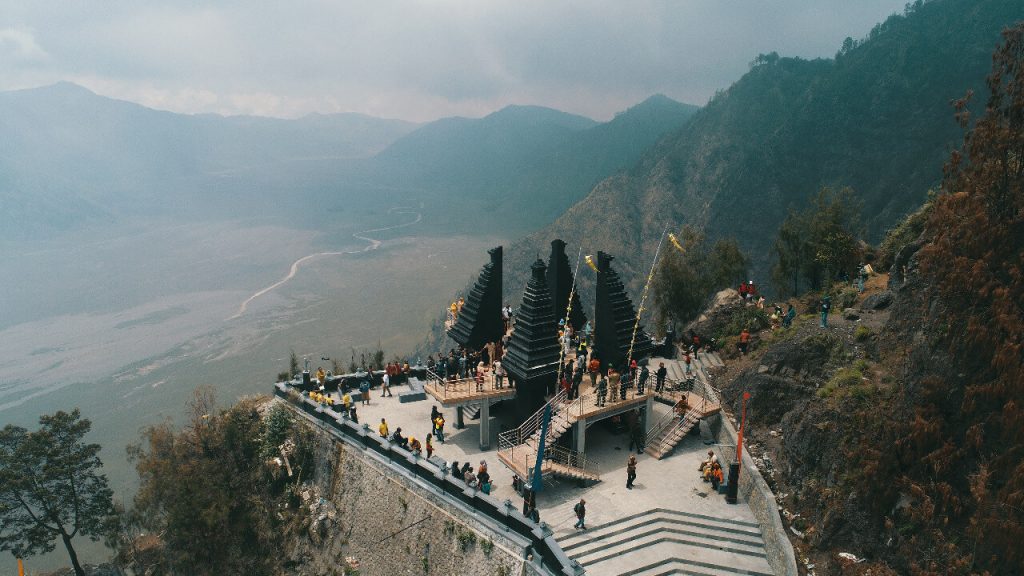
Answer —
533 350
480 320
614 318
560 278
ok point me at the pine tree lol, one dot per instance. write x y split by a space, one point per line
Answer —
50 487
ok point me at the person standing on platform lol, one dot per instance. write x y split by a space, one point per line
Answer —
577 378
630 471
364 392
499 375
385 385
602 391
659 377
641 383
346 400
614 380
594 368
439 427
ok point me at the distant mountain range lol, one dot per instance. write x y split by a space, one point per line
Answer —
70 158
877 118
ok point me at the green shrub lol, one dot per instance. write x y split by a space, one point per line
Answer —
862 333
278 424
749 317
846 377
843 297
466 539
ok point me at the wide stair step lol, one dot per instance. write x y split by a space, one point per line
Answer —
668 541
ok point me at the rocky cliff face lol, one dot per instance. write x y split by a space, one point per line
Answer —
813 393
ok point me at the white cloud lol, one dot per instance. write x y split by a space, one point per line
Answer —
19 44
414 59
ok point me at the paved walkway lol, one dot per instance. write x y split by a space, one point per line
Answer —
670 523
671 520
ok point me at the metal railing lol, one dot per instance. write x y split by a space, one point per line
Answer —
548 557
512 439
570 458
465 386
668 425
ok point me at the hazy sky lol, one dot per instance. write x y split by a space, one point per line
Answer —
416 60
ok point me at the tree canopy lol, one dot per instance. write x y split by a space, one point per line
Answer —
51 487
211 494
685 279
817 244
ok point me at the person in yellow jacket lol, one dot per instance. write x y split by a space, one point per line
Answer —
383 429
346 400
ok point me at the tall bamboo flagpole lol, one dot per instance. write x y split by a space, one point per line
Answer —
643 298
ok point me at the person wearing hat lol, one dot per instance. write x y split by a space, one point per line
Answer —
581 513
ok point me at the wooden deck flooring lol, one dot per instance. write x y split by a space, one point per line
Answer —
462 392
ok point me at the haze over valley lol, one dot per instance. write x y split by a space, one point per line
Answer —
189 195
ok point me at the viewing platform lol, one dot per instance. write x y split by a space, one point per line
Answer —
466 391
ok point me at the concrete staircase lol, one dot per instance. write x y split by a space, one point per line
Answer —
517 449
664 437
662 541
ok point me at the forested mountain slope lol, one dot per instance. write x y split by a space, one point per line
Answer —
877 118
522 166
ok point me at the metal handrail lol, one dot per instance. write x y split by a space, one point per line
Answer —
510 439
659 427
570 458
447 385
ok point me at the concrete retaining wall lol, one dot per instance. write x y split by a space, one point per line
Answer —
755 491
399 514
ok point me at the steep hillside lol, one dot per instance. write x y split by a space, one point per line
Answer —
896 435
521 166
876 118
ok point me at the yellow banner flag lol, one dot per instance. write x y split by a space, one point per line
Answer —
675 242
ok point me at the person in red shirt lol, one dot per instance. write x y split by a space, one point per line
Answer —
744 341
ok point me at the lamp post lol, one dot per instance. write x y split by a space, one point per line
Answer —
743 422
732 492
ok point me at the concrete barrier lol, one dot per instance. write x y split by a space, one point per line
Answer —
552 559
753 489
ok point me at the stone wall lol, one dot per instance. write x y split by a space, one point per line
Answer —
761 500
390 525
399 514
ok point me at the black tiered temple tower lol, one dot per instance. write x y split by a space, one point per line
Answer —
614 317
480 320
559 277
533 351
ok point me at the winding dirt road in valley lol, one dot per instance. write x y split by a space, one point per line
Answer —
373 244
